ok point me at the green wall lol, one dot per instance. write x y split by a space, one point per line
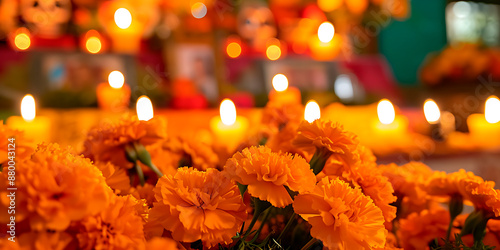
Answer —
407 43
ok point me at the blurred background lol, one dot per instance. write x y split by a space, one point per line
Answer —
191 54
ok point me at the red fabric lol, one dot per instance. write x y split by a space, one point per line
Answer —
374 73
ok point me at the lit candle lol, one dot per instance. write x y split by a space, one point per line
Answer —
125 32
312 111
282 93
21 39
433 115
325 46
144 108
92 42
35 127
114 95
485 128
228 128
389 126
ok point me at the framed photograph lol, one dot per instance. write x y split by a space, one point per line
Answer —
69 79
76 71
196 62
303 73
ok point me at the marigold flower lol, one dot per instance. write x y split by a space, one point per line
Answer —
267 174
162 243
484 197
116 177
341 216
38 240
188 152
365 175
118 226
408 183
327 138
281 141
107 142
418 229
376 186
470 187
196 205
55 187
145 192
277 115
24 146
443 184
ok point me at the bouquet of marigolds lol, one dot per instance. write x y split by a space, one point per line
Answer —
292 185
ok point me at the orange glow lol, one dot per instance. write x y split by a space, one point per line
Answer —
329 5
386 112
273 52
93 45
492 110
233 50
22 39
357 6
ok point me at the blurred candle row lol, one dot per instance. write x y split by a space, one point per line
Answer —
383 126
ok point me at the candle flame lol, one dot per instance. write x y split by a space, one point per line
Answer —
198 10
492 110
326 31
312 111
385 111
144 108
123 18
227 112
233 50
116 79
22 39
431 111
28 108
280 82
93 45
273 52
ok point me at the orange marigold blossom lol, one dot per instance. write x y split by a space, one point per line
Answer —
108 141
118 226
336 166
145 193
276 115
195 205
408 183
326 138
267 174
341 216
376 186
470 187
364 174
189 152
55 187
23 146
162 243
281 141
116 177
444 184
39 240
418 229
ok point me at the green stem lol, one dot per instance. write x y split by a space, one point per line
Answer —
449 230
288 225
140 174
309 244
264 219
319 159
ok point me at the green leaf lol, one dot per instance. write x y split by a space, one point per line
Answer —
243 189
144 157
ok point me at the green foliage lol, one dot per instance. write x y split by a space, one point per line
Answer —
458 244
